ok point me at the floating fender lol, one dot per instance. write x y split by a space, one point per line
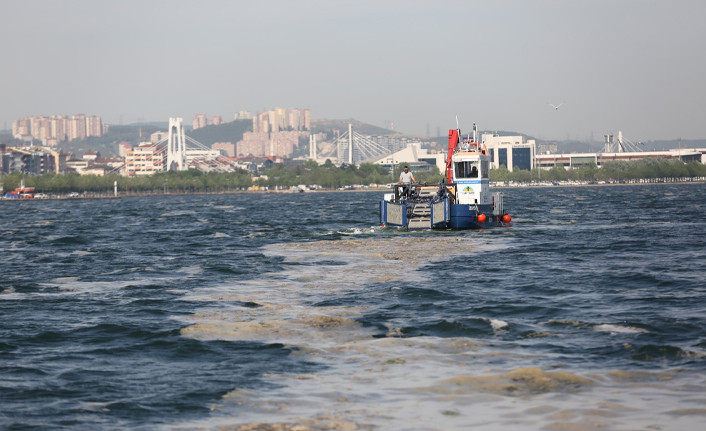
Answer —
481 218
507 218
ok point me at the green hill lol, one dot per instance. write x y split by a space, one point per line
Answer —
233 131
107 145
226 132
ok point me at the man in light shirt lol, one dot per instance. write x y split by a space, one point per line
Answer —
406 178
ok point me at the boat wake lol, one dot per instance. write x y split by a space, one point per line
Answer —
373 379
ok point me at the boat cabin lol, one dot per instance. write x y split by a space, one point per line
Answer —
470 174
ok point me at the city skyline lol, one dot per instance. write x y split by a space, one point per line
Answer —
629 65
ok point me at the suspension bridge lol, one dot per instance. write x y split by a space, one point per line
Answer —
620 145
181 156
354 148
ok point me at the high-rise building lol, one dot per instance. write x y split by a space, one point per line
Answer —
200 121
94 126
280 119
57 127
216 120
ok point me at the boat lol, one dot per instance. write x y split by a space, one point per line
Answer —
462 200
21 192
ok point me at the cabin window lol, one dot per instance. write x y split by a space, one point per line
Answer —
484 168
467 169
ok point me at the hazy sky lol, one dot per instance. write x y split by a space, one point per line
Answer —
633 65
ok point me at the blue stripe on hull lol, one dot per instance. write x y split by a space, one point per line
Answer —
464 216
461 217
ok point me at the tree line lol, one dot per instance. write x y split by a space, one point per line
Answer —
330 176
617 170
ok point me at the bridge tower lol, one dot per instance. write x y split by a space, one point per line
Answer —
350 144
312 147
176 147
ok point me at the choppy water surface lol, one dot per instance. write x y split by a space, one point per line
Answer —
297 312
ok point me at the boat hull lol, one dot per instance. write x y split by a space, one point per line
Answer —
466 217
443 215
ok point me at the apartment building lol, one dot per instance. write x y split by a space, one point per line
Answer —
57 128
280 119
199 121
145 159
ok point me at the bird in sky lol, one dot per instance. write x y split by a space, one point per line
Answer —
556 107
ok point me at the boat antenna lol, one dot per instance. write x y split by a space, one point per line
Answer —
475 133
457 128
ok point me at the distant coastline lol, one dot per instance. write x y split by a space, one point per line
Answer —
510 185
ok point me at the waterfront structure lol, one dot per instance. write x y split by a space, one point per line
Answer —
312 147
199 156
79 166
91 156
355 148
176 145
512 152
145 159
30 160
576 160
415 156
255 165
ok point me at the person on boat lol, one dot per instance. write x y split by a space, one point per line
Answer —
406 179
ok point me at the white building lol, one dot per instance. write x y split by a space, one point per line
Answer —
510 151
197 155
414 153
576 160
145 159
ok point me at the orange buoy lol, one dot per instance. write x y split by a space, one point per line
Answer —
481 218
507 218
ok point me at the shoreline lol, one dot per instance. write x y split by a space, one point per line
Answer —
121 195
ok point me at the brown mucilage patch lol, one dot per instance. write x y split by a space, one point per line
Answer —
520 382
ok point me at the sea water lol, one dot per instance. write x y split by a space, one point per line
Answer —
299 312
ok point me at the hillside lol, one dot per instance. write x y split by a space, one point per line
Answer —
233 131
226 132
107 145
133 134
